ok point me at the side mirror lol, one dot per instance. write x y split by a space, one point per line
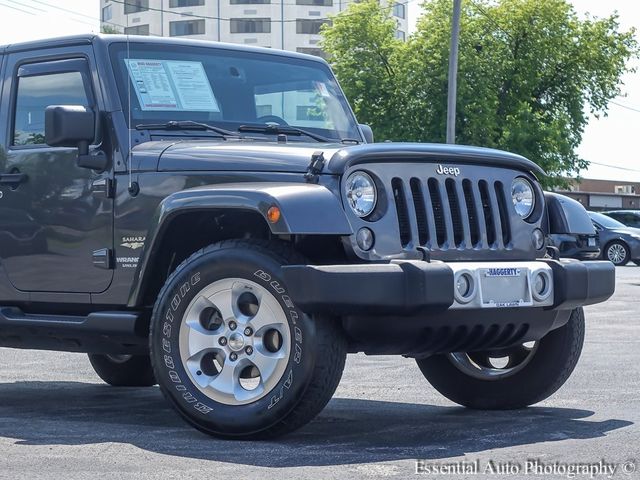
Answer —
367 132
73 126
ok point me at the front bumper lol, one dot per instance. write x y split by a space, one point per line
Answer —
409 287
410 308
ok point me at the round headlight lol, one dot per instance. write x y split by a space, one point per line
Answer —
361 193
523 197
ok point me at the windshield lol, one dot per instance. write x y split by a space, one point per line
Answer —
230 88
605 221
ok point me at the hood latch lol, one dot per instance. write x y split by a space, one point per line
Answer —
315 167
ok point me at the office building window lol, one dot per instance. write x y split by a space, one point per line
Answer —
400 35
264 110
399 10
135 6
107 14
186 27
185 3
310 26
315 3
249 2
250 25
137 30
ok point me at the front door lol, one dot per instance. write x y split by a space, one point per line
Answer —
52 219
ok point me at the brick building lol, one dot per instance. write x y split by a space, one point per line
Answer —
605 194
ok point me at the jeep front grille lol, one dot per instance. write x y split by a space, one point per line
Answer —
444 214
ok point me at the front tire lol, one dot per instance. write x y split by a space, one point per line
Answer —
123 370
232 353
617 252
533 375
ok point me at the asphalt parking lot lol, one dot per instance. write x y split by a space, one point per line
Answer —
58 421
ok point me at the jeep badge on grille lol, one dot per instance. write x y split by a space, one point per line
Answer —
442 170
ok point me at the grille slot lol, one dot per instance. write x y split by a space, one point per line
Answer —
397 186
438 211
488 212
470 202
452 213
504 213
421 211
456 215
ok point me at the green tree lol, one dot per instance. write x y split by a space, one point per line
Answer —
109 29
530 72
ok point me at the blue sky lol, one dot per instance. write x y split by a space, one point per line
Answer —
612 140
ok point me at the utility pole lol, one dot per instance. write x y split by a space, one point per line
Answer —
453 72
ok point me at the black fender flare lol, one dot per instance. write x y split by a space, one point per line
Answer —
306 209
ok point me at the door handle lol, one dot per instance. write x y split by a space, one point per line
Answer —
13 179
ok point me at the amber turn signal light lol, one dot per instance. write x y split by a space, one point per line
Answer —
273 214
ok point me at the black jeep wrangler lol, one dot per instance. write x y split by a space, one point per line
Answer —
211 218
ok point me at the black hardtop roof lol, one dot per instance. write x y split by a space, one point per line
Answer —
90 38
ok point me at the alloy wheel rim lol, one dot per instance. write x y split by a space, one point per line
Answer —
616 253
494 365
234 341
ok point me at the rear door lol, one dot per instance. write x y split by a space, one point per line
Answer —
52 222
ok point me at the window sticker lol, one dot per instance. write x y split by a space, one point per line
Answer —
172 85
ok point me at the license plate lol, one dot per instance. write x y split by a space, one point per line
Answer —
592 242
504 287
502 272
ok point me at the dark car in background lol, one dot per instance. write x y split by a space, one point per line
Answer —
578 240
578 246
619 243
630 218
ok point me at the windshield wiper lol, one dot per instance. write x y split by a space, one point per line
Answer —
283 129
186 125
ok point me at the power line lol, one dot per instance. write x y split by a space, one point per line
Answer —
486 14
616 167
16 8
27 6
633 109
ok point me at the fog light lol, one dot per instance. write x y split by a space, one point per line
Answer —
365 239
538 239
541 286
464 288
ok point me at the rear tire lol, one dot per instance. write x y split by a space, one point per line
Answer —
552 361
123 370
232 353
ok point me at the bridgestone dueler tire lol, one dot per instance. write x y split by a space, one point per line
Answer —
131 371
554 360
311 376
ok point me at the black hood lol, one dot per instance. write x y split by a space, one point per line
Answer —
232 155
235 155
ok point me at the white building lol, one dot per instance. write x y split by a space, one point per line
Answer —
284 24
